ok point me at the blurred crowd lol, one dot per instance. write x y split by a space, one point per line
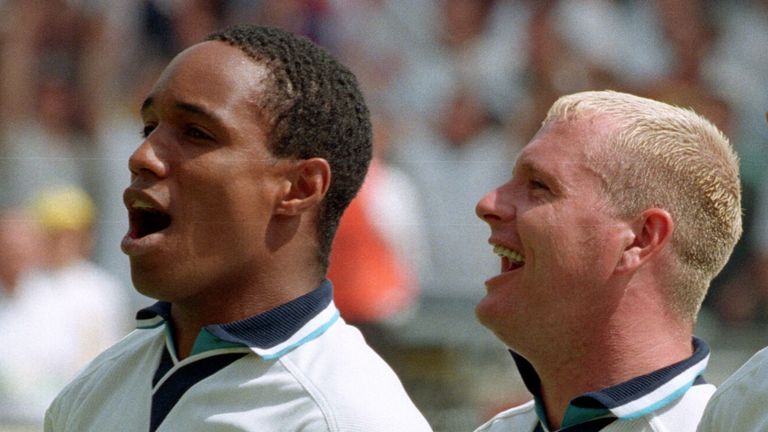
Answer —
455 88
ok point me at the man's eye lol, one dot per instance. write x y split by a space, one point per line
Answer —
536 184
196 133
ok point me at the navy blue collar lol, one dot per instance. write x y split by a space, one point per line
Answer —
270 334
630 399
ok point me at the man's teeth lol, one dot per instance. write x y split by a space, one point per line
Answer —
509 253
141 204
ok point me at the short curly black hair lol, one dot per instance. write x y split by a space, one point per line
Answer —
314 108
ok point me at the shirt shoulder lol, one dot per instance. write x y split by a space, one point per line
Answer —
94 387
123 352
351 385
739 403
520 418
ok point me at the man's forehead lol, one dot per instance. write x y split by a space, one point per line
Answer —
553 152
581 135
214 61
208 77
552 141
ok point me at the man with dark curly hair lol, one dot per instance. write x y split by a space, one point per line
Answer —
254 142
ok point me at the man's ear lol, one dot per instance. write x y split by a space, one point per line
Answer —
307 182
652 231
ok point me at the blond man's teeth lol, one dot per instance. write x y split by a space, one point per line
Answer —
509 253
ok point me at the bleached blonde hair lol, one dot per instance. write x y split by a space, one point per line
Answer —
667 157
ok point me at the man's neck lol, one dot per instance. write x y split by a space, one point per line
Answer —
603 363
190 316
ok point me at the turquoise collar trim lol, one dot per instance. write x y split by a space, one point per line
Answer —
269 334
628 400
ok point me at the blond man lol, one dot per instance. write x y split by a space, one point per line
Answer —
619 213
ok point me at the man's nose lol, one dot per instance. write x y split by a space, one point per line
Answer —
496 206
147 160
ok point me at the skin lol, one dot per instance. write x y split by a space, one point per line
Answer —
590 284
21 249
242 237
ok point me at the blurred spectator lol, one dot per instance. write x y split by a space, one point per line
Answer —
557 65
450 161
453 89
382 233
20 253
474 42
42 150
737 66
381 230
44 140
741 298
381 285
64 314
395 30
690 46
304 17
760 263
621 38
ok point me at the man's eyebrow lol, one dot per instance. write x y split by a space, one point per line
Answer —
183 106
531 168
534 169
195 109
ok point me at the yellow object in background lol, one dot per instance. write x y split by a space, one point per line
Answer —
63 208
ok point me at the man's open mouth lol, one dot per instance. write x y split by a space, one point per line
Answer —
145 220
510 259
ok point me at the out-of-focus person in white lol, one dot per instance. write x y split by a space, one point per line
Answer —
62 313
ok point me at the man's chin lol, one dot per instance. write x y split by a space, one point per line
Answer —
496 317
150 284
486 313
